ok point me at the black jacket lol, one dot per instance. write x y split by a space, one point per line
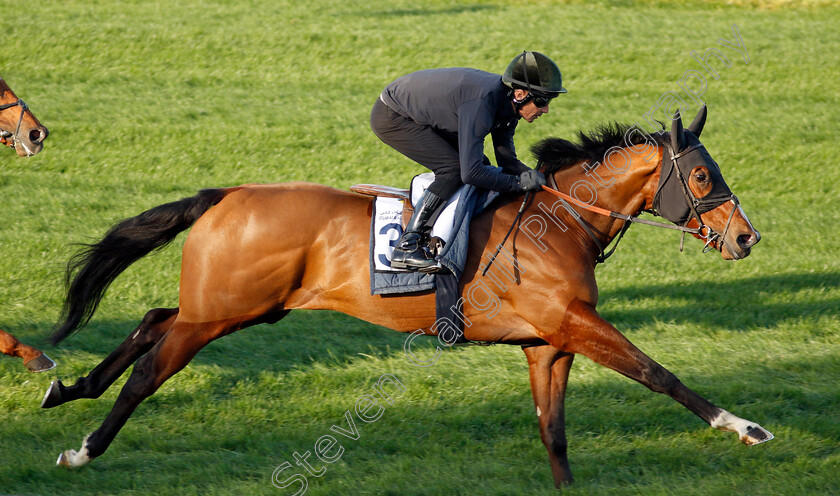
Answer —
468 104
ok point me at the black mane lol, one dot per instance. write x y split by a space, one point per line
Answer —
556 154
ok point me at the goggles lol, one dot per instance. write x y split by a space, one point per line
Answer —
541 101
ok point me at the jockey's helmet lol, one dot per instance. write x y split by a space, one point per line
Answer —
541 77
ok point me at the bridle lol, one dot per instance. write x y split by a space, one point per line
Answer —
706 203
16 135
703 232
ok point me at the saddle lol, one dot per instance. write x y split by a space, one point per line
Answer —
378 190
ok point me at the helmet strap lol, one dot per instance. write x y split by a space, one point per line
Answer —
518 104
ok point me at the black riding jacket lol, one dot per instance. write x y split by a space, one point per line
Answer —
468 104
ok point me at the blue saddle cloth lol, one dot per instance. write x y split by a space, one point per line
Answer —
453 256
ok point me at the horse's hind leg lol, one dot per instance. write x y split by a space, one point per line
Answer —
33 359
171 354
151 329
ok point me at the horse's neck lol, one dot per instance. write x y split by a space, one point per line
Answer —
625 182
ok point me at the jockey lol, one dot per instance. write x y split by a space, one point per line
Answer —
440 117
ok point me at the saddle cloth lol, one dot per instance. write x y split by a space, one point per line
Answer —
452 226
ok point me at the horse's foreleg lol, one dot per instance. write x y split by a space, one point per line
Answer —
585 332
151 329
33 359
549 371
167 357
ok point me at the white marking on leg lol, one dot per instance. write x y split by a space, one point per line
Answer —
538 412
73 458
134 336
748 432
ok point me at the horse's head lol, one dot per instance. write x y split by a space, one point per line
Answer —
19 128
692 192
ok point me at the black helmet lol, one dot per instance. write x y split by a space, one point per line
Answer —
542 77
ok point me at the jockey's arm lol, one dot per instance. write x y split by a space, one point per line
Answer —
475 121
506 152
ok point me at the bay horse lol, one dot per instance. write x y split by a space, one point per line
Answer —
21 131
262 251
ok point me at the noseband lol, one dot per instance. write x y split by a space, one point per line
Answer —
16 135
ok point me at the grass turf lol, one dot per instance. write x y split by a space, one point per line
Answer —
150 101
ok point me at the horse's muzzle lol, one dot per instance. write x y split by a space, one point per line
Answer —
30 141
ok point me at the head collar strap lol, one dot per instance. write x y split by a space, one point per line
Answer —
678 204
16 135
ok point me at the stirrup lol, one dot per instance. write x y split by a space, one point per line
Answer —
408 259
437 268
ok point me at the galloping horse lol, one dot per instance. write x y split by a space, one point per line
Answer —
263 250
20 130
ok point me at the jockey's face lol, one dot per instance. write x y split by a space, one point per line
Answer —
529 111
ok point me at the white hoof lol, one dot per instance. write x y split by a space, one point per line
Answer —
748 432
73 458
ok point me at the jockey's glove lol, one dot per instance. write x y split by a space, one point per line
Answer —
531 180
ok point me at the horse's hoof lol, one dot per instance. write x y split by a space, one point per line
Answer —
67 459
40 363
72 458
756 435
53 397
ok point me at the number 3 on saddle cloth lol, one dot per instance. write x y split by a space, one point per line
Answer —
452 228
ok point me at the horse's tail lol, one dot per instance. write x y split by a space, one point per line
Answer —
98 264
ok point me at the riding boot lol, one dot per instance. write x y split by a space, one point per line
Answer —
410 252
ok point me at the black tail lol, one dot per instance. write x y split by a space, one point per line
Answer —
97 265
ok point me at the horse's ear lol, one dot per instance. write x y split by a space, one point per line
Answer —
696 126
677 138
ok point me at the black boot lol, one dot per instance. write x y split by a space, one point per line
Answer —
410 252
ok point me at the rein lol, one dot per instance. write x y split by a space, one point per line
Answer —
514 224
628 219
710 235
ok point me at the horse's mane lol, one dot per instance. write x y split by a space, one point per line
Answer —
557 154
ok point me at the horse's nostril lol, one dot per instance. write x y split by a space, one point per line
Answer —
746 240
36 136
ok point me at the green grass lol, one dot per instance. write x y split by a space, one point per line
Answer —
150 101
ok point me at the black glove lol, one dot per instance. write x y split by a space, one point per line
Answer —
531 180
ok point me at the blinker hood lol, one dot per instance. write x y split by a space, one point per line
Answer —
673 199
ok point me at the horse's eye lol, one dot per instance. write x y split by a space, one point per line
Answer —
701 177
